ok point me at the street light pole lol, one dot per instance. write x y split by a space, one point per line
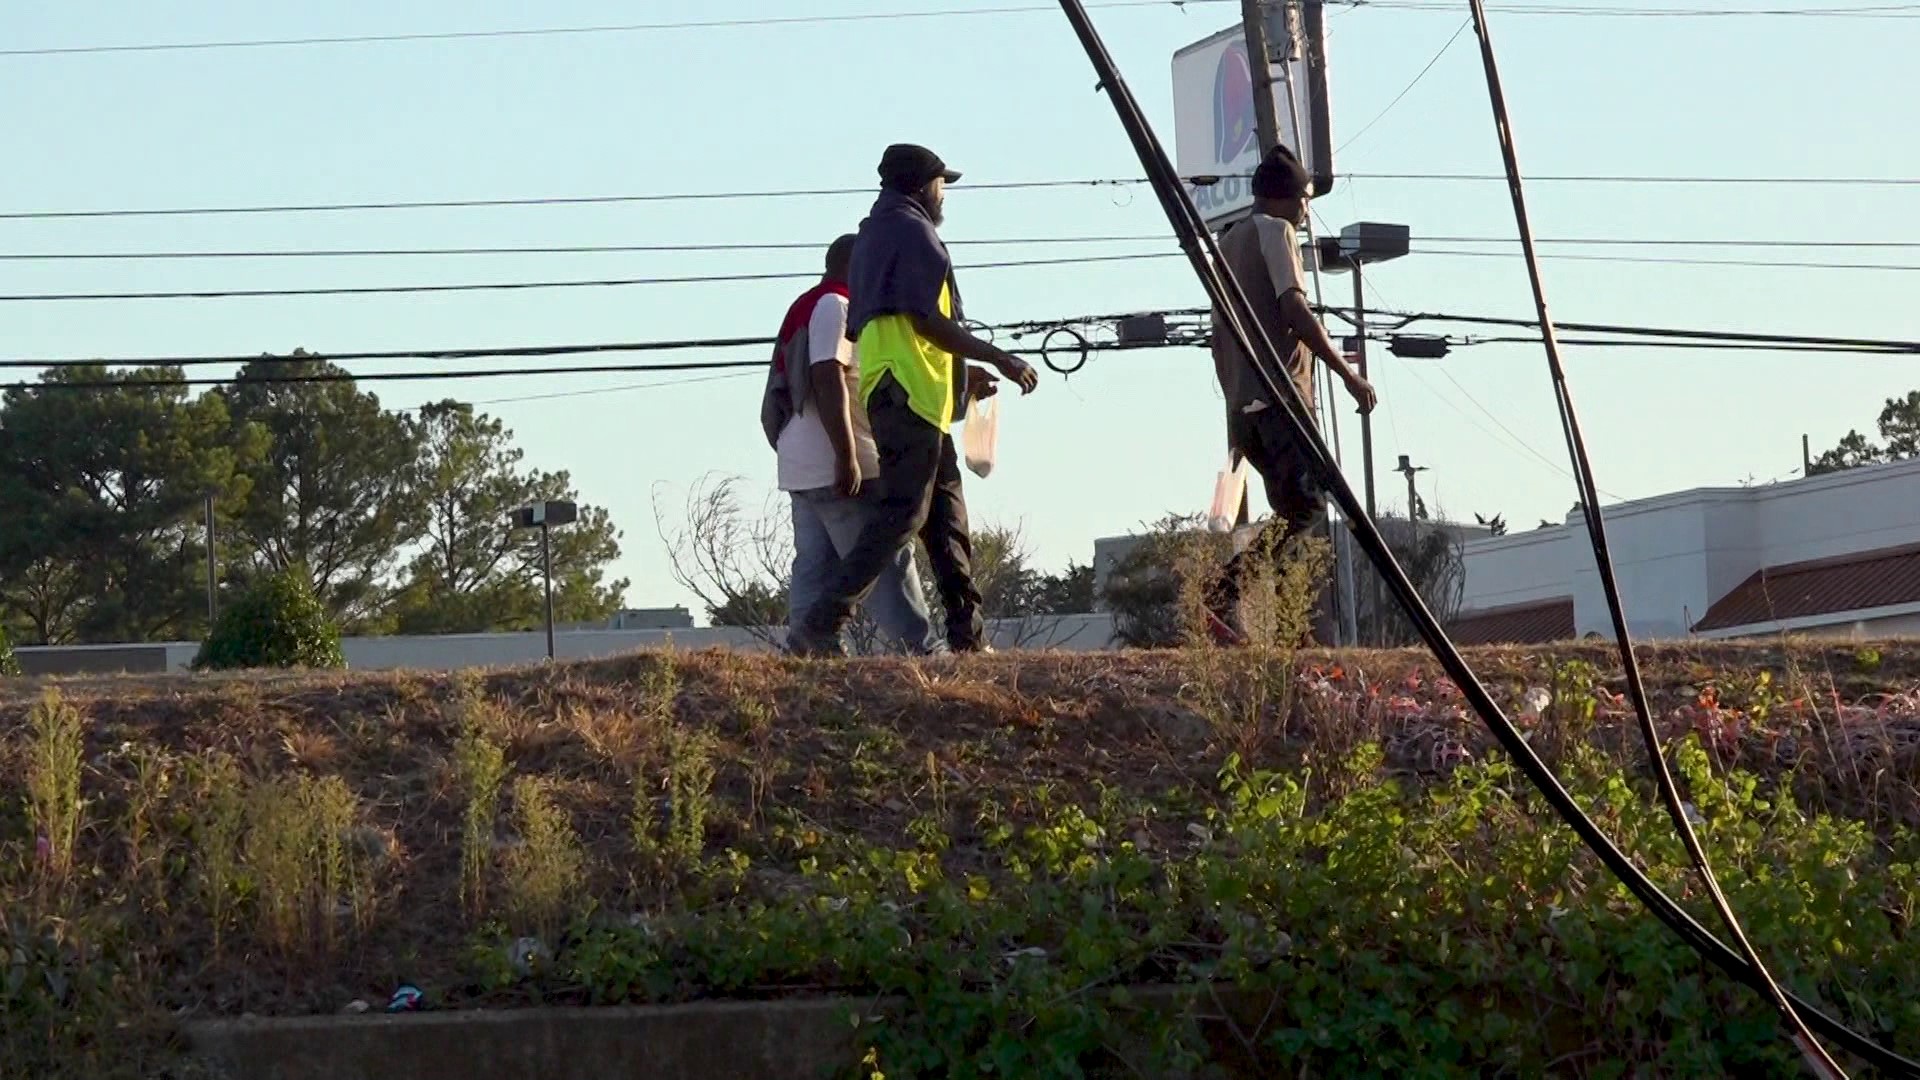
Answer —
543 516
546 571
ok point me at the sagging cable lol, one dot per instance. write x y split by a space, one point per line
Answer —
1226 295
1816 1055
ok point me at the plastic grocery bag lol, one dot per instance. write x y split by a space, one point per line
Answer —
1228 489
981 435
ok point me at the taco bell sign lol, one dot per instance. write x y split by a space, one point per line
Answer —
1214 131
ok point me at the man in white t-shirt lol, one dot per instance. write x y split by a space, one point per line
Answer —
828 464
1263 252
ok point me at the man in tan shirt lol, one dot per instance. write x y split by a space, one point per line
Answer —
1263 252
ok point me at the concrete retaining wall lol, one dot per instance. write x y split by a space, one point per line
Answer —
806 1039
452 652
803 1040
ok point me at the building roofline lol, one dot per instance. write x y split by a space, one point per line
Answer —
1811 622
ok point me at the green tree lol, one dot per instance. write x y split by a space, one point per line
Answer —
1151 589
333 490
101 497
1144 586
277 622
1071 592
758 604
1852 452
474 572
1007 585
9 664
1899 425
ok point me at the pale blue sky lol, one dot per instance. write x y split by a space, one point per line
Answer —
1004 97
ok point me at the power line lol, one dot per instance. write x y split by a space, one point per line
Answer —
657 384
1532 451
158 381
517 286
869 191
504 352
538 249
571 31
712 279
519 352
150 382
1858 11
1651 260
1401 96
701 279
1678 334
1878 11
1630 178
821 245
1706 346
1662 241
1654 337
537 200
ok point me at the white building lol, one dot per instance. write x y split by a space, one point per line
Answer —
1831 556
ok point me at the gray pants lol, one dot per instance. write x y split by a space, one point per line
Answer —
825 528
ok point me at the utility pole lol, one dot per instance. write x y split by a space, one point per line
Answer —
1253 19
1409 470
1806 456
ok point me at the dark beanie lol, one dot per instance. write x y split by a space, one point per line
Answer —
1281 176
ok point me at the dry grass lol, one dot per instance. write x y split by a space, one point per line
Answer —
318 801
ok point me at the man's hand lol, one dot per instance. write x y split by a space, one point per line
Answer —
846 476
1363 394
1019 371
981 384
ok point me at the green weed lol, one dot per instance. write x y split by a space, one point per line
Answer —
690 773
220 795
480 766
57 737
545 871
151 788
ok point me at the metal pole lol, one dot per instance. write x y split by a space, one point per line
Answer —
546 567
213 571
1366 441
1413 500
1360 354
1806 456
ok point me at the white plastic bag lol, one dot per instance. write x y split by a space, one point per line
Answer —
1228 489
981 435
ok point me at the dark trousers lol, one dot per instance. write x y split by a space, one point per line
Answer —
1299 506
920 485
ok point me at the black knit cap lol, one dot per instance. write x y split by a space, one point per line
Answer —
1281 176
906 167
